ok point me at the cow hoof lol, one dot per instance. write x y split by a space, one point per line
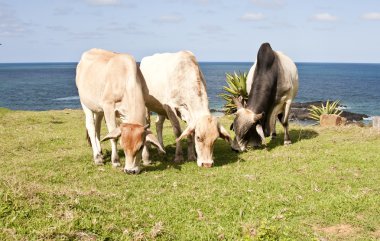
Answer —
192 158
287 143
178 159
147 162
99 160
131 171
99 163
274 136
116 164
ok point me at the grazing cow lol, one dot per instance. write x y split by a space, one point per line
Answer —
108 84
272 84
177 89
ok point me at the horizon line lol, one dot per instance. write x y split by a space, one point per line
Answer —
201 61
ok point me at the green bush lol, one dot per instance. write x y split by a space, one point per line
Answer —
237 86
329 108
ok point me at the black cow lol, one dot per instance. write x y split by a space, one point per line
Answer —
272 84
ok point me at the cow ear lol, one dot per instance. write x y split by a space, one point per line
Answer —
116 133
188 131
152 139
183 113
223 133
238 102
257 117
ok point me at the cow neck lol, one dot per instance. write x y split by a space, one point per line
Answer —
135 106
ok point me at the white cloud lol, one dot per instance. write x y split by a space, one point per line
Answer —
10 24
324 17
252 17
103 2
273 4
211 29
371 16
57 28
63 11
172 18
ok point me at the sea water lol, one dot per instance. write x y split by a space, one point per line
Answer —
51 86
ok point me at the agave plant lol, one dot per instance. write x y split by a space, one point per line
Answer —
236 87
329 108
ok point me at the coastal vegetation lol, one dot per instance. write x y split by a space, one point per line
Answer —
325 186
328 108
236 87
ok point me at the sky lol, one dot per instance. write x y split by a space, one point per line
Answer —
214 30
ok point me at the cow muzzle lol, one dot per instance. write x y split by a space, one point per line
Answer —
133 171
207 165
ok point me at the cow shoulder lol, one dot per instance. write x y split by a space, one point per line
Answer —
287 71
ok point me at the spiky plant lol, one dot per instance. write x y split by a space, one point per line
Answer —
237 86
315 112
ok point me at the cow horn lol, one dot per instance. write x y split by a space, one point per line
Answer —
260 131
115 134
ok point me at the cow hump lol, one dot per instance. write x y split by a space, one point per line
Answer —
265 56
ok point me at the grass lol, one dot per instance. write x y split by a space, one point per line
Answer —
325 186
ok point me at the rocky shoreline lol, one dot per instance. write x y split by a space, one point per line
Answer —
299 111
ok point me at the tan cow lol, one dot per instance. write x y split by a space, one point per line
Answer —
108 84
177 89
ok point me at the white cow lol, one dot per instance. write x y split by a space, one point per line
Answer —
177 89
108 84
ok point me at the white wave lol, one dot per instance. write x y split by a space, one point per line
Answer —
68 98
368 118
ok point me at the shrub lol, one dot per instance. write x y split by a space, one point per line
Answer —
329 108
237 86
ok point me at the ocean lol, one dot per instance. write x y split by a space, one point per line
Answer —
51 86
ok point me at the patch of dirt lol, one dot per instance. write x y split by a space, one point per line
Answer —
376 234
339 230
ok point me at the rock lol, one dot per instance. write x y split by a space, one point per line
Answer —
332 120
376 122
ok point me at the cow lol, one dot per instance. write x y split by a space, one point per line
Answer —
272 84
108 85
177 89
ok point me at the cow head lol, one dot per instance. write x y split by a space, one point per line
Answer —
247 127
205 130
132 139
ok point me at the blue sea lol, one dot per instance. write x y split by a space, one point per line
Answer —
51 86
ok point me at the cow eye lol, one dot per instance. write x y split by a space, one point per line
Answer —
199 139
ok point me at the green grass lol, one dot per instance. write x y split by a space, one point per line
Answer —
325 186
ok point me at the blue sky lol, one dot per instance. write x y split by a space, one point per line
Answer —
215 30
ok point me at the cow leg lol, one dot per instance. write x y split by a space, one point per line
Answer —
191 148
145 153
177 132
285 123
109 114
159 127
90 126
98 123
274 132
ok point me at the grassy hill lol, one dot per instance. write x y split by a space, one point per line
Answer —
326 186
